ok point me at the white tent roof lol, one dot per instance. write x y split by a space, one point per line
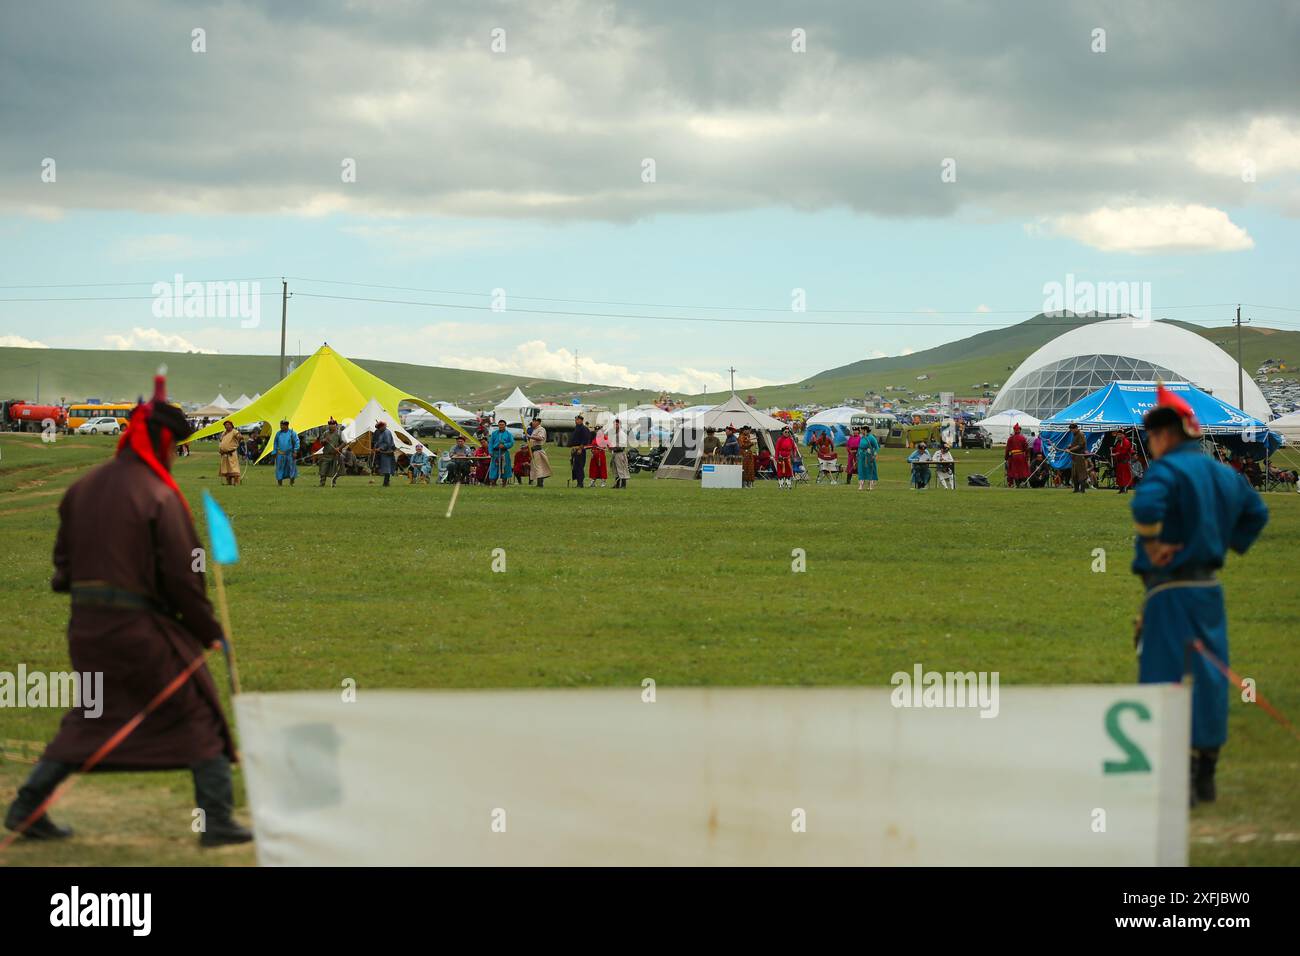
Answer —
211 411
735 412
690 412
514 403
241 402
366 420
840 415
999 426
1288 426
220 401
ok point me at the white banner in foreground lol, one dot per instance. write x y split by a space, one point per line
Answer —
1060 776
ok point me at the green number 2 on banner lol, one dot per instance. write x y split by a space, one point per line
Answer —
1137 761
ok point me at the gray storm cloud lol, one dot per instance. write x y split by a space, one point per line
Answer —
558 125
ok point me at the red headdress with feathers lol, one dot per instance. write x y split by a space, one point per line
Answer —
1167 399
136 436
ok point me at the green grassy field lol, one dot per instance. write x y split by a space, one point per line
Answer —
695 588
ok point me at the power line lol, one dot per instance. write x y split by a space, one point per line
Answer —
685 318
151 282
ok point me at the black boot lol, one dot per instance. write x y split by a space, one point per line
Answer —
1204 762
214 794
45 776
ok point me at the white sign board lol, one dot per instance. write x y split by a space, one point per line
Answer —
1060 776
720 476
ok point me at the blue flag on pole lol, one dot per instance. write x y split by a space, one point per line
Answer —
221 536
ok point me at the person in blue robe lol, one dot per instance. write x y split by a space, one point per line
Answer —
384 447
286 454
868 450
499 444
1189 511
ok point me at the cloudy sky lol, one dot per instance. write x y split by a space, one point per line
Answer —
659 189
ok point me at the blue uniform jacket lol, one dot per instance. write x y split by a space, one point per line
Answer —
1188 498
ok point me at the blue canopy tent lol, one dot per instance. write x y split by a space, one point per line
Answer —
839 433
1121 405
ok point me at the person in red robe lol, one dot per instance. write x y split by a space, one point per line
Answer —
1017 457
482 461
785 452
523 465
1121 453
598 469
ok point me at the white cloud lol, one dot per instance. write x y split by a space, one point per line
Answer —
153 340
18 342
982 308
535 359
1271 143
1155 229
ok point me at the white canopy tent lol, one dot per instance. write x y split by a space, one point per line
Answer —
1000 426
362 426
243 401
1288 426
686 452
514 408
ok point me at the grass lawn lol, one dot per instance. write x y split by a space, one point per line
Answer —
662 580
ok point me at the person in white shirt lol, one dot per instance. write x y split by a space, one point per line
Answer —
944 465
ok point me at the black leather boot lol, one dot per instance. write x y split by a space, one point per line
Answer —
214 793
1205 762
45 776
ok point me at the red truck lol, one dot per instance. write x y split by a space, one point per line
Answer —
19 416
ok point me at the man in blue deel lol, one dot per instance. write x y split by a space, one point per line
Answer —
1189 510
286 454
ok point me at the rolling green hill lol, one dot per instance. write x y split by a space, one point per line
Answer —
961 367
77 374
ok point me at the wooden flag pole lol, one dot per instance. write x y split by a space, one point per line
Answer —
455 490
224 611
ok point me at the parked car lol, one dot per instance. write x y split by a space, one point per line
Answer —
99 426
975 437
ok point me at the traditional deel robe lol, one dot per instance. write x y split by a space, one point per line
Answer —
599 469
1079 457
851 453
1122 455
748 462
1189 499
522 469
499 445
140 614
286 454
578 442
1017 457
785 452
868 449
540 464
384 446
618 440
228 447
331 454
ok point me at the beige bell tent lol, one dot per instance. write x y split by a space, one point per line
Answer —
687 450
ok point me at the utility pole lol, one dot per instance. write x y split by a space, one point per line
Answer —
1241 372
284 319
732 370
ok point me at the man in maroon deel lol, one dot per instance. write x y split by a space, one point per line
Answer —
140 614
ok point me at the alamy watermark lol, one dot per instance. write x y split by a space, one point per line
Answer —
66 690
923 688
1131 299
209 300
